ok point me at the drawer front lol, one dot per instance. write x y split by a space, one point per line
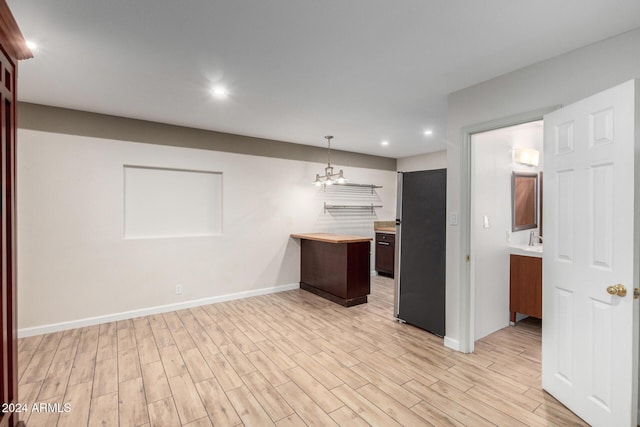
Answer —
386 237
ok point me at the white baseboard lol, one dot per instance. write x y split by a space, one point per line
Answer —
374 273
89 321
452 343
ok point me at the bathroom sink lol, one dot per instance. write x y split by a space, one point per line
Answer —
525 250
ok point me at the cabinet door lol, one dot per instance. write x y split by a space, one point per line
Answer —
526 286
385 253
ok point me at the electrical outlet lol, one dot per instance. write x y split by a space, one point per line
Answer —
178 289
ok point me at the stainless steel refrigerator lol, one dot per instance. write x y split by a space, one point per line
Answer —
420 249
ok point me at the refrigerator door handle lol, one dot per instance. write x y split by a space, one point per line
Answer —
398 243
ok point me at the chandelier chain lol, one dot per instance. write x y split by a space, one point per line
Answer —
328 138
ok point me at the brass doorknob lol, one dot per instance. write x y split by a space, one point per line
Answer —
618 289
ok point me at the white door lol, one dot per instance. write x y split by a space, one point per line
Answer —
592 230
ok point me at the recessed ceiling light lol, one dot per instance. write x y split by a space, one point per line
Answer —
31 45
219 92
385 143
428 132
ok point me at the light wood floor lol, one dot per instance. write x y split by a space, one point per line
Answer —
287 359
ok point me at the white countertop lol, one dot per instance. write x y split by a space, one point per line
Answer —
525 250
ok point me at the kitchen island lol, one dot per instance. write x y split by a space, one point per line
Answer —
335 266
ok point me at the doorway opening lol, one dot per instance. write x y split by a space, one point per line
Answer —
467 289
495 163
589 320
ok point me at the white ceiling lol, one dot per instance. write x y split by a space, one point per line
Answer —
362 70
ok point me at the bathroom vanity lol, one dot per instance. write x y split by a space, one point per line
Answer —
525 282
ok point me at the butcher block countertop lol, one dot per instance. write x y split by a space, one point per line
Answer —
385 229
331 238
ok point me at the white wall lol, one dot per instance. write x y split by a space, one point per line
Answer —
422 162
74 264
491 196
561 80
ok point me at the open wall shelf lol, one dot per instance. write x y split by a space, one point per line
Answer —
349 184
371 207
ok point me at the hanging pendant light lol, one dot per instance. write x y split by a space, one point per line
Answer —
329 178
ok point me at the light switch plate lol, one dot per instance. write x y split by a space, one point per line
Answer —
453 218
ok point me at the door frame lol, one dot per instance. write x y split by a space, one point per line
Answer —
467 285
14 48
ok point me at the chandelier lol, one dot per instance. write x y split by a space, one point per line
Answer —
329 177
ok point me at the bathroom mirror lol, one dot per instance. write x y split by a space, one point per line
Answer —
524 201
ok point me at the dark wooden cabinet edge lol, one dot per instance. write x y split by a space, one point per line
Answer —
385 273
342 301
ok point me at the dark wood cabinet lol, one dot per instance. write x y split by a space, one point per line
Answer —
525 286
336 267
385 253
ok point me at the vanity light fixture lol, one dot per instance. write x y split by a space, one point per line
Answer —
428 132
219 92
384 143
526 156
329 177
